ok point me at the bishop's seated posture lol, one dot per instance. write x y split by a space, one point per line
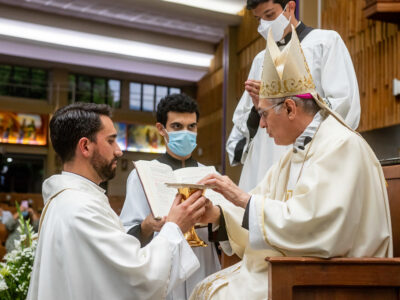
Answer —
326 197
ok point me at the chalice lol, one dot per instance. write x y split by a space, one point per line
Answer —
186 190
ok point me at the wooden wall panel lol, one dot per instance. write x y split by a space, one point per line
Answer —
209 98
250 43
375 49
247 31
217 61
210 88
209 139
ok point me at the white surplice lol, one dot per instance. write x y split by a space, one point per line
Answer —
83 251
136 209
328 200
335 80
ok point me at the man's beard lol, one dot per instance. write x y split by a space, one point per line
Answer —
103 168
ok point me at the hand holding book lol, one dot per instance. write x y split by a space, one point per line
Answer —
151 225
153 176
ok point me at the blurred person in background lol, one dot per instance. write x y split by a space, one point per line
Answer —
12 224
5 215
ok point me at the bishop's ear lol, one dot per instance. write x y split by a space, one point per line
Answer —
290 108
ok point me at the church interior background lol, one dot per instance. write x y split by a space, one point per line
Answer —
130 54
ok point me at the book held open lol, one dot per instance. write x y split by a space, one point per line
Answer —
154 175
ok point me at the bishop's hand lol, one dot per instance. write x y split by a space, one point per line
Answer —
187 213
225 186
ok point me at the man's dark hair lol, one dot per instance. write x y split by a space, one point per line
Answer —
181 103
73 122
252 4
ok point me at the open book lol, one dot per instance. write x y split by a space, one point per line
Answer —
153 175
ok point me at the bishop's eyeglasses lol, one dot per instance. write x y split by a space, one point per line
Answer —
263 113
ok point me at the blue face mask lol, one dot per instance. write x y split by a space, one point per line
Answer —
182 142
25 213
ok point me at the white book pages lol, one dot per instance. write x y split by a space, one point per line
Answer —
153 176
194 175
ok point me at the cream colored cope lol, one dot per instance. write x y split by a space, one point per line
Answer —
326 200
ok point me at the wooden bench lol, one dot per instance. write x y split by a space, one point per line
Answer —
299 278
9 199
3 239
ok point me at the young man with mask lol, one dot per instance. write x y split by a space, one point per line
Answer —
334 76
177 117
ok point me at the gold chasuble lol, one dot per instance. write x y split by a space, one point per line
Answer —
326 200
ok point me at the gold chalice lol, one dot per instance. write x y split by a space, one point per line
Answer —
186 190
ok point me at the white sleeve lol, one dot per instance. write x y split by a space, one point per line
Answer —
241 114
226 247
135 208
339 81
184 261
256 238
154 269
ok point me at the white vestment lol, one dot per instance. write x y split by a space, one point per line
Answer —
84 253
136 209
335 80
328 200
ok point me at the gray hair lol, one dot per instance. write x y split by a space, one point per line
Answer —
309 106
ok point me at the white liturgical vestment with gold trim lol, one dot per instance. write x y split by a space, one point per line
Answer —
83 251
328 200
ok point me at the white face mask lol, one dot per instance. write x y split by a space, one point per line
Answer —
277 27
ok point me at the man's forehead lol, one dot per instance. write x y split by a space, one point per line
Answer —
181 117
107 126
264 102
265 7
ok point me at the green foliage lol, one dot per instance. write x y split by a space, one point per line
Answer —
15 272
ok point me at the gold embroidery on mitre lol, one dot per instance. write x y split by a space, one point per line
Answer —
285 73
278 88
